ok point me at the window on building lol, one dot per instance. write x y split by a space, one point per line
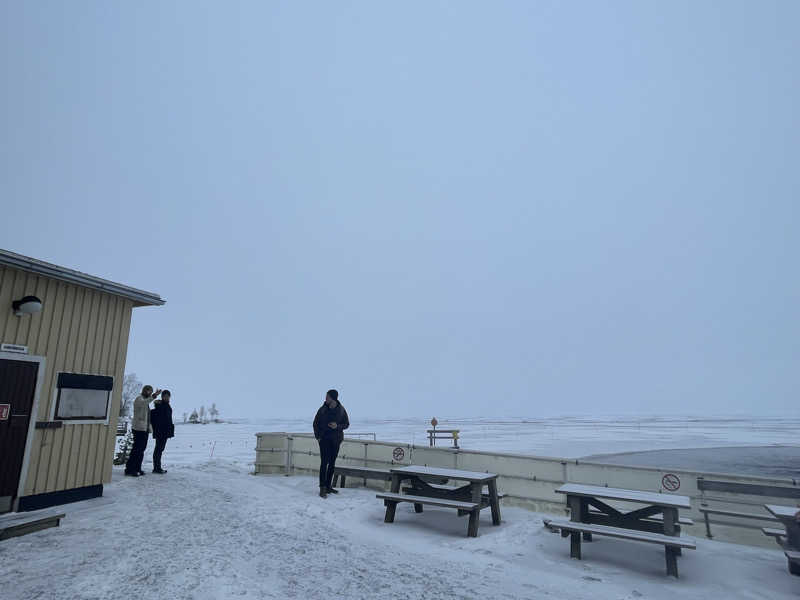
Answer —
83 397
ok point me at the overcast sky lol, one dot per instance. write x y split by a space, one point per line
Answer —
474 209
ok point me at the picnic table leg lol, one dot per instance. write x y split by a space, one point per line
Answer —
574 503
474 515
587 537
391 506
417 508
575 545
794 568
494 502
671 552
671 526
672 560
579 513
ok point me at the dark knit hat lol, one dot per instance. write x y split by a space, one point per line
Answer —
333 395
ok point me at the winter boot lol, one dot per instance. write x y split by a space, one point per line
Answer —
323 493
331 490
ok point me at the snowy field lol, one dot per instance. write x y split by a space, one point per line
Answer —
571 437
209 529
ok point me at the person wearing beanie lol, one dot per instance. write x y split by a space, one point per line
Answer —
163 428
329 426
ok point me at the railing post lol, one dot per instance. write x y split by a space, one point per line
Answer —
289 446
366 444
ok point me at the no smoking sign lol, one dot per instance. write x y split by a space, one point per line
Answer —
398 454
671 482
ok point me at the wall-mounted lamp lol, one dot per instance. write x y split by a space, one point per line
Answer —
26 306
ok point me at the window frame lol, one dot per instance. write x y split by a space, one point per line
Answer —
80 420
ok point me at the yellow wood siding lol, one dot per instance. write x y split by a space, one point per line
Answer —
79 330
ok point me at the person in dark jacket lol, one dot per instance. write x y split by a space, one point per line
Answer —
329 426
163 428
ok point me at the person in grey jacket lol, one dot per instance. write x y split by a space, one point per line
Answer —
140 425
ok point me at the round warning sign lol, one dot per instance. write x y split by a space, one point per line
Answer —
671 482
398 454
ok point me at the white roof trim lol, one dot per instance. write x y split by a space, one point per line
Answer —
32 265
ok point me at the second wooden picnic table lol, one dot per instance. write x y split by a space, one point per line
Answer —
467 498
787 515
580 498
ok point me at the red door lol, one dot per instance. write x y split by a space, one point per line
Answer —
17 387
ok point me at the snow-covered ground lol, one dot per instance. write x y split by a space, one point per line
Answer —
209 529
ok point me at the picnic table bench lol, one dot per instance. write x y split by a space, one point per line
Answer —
466 499
658 522
17 524
789 537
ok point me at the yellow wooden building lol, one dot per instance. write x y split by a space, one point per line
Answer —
63 344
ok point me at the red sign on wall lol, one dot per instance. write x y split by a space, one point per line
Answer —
4 410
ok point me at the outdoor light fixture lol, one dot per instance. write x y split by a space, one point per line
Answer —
28 305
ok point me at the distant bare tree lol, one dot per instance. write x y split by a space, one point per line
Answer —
213 412
131 387
185 416
202 414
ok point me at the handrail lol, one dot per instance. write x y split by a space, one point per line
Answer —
364 434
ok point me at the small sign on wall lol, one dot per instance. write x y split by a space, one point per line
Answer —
13 348
5 409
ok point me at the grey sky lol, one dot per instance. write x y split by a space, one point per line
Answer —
477 209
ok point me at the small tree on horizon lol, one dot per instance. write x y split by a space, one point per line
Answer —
213 411
193 417
202 414
131 387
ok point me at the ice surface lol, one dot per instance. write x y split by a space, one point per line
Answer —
570 437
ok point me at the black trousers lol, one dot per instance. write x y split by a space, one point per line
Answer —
159 450
328 451
134 464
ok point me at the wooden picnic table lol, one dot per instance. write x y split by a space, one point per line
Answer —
467 498
580 498
786 515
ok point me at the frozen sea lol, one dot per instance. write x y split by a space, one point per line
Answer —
765 446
